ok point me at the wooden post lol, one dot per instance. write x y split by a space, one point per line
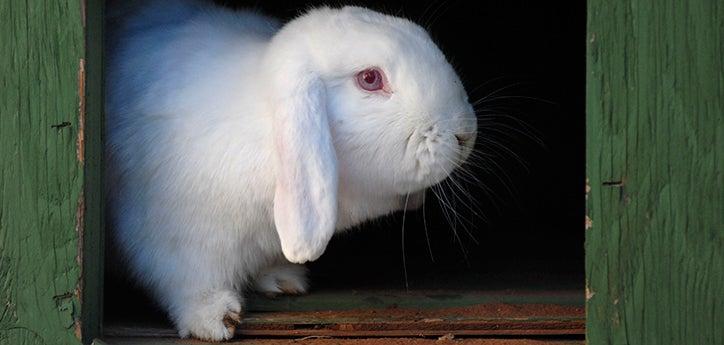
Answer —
655 150
50 172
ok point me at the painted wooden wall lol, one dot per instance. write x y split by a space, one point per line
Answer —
655 150
655 233
49 174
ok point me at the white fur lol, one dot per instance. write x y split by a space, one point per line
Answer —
234 143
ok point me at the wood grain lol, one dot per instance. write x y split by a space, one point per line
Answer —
42 214
352 341
655 236
470 320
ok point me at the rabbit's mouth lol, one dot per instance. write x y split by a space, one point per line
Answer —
438 152
466 143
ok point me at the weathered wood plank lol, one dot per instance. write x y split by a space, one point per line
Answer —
42 177
469 320
655 236
351 341
395 313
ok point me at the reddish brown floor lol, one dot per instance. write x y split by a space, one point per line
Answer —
366 341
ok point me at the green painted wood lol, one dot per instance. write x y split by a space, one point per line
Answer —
43 146
655 150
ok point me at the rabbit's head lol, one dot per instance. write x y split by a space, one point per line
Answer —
360 99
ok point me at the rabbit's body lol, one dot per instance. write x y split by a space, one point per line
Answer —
197 194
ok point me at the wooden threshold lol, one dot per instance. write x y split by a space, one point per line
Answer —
468 321
356 341
396 314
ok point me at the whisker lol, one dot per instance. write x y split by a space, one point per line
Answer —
404 257
499 90
443 206
524 127
427 235
530 135
422 18
506 149
448 181
436 16
485 83
454 228
447 216
522 97
474 161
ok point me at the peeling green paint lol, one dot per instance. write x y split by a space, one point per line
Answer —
655 240
655 104
40 176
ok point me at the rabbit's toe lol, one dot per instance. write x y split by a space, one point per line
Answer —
285 278
211 316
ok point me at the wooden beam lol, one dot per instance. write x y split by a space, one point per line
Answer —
655 151
41 174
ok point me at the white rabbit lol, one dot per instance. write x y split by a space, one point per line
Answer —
236 147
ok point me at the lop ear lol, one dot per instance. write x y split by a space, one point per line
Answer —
305 198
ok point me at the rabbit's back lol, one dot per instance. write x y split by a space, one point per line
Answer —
187 141
165 52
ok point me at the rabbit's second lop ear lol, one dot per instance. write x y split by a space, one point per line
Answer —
305 199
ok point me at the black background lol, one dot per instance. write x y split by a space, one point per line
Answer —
528 58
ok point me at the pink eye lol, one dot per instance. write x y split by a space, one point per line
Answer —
370 79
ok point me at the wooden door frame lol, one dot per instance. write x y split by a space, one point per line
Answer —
654 243
654 156
92 230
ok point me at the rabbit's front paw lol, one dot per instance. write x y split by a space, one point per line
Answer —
284 278
211 316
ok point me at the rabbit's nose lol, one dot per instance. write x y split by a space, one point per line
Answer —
464 138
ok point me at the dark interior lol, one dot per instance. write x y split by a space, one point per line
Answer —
521 229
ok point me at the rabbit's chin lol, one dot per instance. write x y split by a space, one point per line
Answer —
413 201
